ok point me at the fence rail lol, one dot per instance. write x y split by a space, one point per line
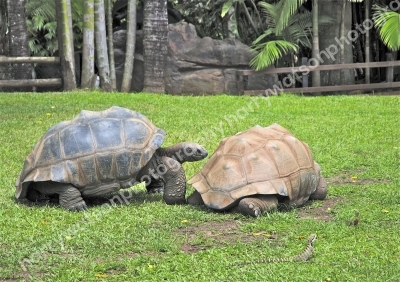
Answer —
305 69
30 82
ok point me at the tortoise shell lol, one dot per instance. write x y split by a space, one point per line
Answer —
97 152
262 160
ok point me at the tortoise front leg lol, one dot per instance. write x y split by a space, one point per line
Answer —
256 205
170 172
156 186
175 182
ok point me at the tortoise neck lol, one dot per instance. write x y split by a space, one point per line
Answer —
175 151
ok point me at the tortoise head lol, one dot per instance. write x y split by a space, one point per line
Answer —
192 152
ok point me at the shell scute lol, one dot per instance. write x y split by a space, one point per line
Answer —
76 140
282 157
107 134
227 173
48 150
124 162
259 166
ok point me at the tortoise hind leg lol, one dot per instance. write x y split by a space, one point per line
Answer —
321 191
256 205
71 199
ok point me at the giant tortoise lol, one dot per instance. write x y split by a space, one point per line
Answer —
98 153
252 171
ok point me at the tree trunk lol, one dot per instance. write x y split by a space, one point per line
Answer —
110 42
155 44
4 68
359 52
88 78
315 75
367 9
18 39
101 46
65 44
342 37
329 41
3 28
130 46
231 24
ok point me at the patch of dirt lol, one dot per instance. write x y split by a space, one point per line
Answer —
215 233
323 213
350 177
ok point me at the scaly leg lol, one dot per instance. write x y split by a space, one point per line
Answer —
256 205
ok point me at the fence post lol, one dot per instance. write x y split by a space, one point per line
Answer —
304 61
240 84
389 70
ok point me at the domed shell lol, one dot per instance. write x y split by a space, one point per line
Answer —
96 152
267 160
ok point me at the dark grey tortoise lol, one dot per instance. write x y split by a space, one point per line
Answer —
98 153
252 171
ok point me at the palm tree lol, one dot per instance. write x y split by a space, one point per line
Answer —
315 75
130 46
155 44
4 71
65 45
110 43
18 39
101 45
88 77
342 36
3 27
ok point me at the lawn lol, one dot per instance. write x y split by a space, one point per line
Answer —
355 139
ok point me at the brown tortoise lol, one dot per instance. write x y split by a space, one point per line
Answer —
252 171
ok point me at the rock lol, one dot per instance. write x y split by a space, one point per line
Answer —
119 39
207 66
194 65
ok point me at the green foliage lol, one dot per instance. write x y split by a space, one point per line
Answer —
42 25
388 24
269 52
351 137
289 28
210 17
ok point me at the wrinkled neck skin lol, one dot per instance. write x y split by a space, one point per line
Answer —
183 152
170 151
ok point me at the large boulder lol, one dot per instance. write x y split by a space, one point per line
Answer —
207 66
194 65
119 39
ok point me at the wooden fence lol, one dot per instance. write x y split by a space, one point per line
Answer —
302 69
30 82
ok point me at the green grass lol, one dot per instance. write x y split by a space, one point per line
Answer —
348 135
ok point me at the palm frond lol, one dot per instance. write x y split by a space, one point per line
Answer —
269 52
299 29
286 9
388 24
271 13
263 36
